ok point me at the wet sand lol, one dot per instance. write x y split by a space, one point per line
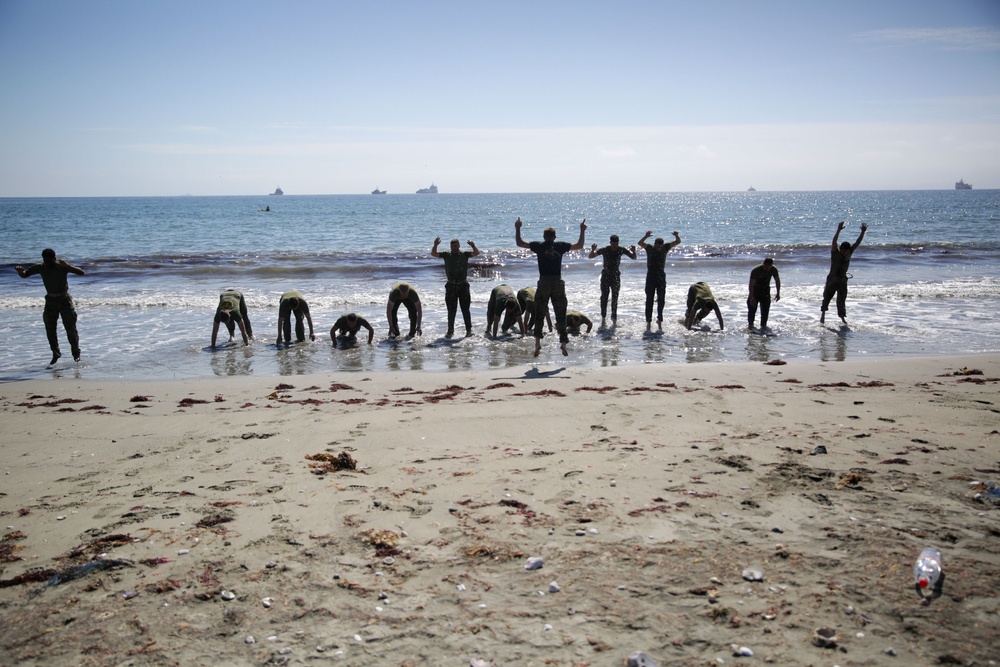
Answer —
184 523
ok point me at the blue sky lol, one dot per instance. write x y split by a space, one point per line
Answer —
136 97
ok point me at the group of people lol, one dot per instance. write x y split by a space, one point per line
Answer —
527 308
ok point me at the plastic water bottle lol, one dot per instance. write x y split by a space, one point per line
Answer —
927 571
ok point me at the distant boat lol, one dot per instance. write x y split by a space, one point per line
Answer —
376 191
752 189
962 185
278 191
433 190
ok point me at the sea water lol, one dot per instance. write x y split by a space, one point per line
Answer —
925 281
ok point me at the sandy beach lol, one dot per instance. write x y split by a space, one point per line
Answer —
701 514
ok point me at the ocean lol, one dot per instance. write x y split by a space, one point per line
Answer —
925 281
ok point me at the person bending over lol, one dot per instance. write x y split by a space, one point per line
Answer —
575 319
232 311
347 327
503 304
700 303
759 291
403 294
293 303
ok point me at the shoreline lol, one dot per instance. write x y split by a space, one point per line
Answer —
647 489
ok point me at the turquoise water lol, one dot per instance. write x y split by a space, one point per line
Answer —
926 280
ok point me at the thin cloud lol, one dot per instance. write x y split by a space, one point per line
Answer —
617 152
945 39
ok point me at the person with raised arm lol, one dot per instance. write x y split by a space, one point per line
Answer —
456 290
550 284
58 302
611 276
656 276
836 279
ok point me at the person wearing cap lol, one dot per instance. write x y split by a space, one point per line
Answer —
403 294
293 303
760 291
656 277
836 279
58 302
701 302
550 284
347 326
611 277
232 311
456 290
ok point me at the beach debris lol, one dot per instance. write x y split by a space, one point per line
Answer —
741 651
891 651
818 449
753 574
554 587
479 662
965 370
640 659
228 596
381 539
78 571
534 563
323 463
986 492
128 595
852 480
250 640
267 602
825 637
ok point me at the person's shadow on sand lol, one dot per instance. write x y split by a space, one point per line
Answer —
534 374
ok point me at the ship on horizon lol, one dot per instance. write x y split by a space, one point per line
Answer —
433 190
278 191
962 185
376 191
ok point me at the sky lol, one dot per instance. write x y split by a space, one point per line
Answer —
226 97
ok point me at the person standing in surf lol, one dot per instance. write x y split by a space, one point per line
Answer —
58 302
456 290
656 277
759 291
550 284
611 277
836 280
